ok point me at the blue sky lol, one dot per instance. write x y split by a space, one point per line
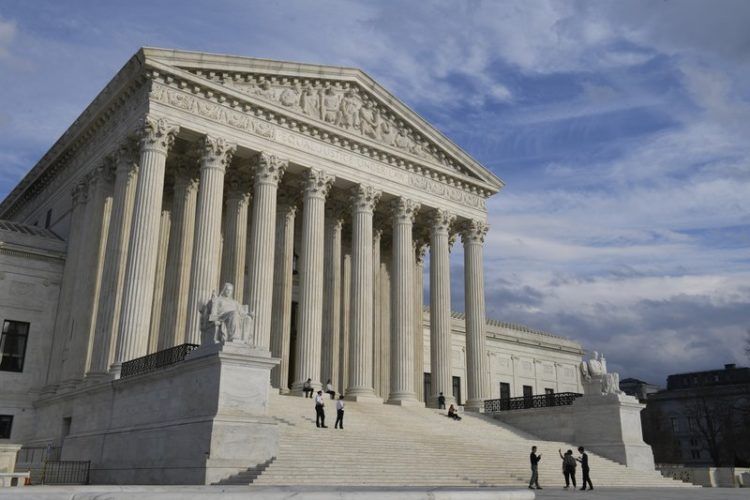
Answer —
620 128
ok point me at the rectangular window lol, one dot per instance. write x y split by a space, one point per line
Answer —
6 422
548 391
675 424
13 345
504 390
528 396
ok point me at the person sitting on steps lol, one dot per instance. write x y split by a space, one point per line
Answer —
307 388
329 389
452 413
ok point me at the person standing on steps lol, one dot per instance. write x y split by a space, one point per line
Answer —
307 388
584 459
534 459
320 414
441 402
568 467
329 389
339 413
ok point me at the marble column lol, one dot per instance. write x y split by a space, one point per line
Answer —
138 292
420 247
156 337
180 252
346 295
61 333
360 384
216 155
440 308
472 234
260 255
377 315
310 318
281 327
116 252
329 365
402 303
235 232
385 323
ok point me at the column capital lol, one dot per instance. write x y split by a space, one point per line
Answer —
474 231
317 183
365 198
238 184
126 157
420 250
336 212
100 174
269 169
442 220
157 133
80 192
216 152
404 210
187 168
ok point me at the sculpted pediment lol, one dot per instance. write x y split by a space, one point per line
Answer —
341 98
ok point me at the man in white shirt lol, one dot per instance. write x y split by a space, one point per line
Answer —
329 389
339 413
320 414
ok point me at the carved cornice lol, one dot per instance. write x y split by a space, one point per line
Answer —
317 183
365 198
268 168
262 120
404 210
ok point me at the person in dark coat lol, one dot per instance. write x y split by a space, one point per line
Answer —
534 459
441 402
584 459
568 467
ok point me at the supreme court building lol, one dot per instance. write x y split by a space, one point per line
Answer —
311 189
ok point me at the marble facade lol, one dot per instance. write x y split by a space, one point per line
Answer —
312 189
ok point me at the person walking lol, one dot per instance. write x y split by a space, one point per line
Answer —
584 459
329 389
534 459
441 402
568 467
307 388
339 413
320 414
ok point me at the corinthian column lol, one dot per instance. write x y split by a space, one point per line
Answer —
282 290
157 136
115 260
156 338
472 234
402 303
79 195
180 253
360 386
440 307
329 365
420 247
217 153
259 289
235 232
309 323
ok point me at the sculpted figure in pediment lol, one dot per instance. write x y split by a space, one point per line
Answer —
386 133
309 101
330 105
348 111
265 90
401 140
290 97
369 120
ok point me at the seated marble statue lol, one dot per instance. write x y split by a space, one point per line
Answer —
596 379
223 319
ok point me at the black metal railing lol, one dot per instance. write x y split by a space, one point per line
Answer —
30 455
65 472
526 402
156 360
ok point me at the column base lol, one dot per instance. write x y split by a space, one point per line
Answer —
296 389
94 378
475 405
362 396
404 400
115 370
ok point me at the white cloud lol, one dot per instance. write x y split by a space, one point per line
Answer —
7 35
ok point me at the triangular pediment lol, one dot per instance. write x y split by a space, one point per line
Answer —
344 99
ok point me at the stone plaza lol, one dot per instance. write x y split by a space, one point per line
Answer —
212 232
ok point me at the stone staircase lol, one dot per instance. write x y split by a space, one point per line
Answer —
415 446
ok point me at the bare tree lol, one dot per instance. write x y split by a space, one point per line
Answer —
713 419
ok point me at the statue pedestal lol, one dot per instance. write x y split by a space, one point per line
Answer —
608 425
196 422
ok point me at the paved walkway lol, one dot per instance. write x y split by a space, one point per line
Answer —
363 493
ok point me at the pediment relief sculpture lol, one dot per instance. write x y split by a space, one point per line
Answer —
341 104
